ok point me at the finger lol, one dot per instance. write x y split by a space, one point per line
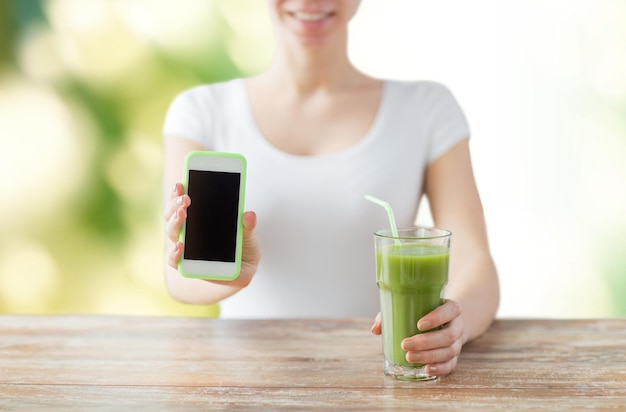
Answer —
440 316
433 356
441 338
251 250
183 201
177 198
377 326
249 222
177 190
442 369
175 223
175 255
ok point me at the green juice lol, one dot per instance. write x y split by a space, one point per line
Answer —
411 279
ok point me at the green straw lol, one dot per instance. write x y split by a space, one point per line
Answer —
387 206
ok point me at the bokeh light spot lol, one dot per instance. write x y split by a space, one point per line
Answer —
41 151
28 276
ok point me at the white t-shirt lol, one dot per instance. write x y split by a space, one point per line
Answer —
314 225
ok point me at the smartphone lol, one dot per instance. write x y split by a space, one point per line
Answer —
212 234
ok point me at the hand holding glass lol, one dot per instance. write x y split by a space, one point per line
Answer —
411 273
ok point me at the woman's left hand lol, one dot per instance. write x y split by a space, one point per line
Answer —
438 349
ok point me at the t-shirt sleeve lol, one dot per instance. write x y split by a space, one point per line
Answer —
448 124
185 118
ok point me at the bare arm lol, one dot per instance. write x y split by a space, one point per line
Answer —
456 206
473 292
175 212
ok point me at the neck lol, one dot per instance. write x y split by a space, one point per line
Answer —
308 68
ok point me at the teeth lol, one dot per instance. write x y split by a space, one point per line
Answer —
309 16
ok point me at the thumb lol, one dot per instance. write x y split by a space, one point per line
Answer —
249 222
377 326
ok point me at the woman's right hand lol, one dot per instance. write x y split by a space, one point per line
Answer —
176 213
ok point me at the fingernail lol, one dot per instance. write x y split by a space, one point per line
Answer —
179 200
413 357
432 369
407 345
423 325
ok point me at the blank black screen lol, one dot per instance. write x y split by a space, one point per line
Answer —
211 229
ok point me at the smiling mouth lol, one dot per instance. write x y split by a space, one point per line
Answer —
310 17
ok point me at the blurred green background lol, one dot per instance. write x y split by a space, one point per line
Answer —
85 85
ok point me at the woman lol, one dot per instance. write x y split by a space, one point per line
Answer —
318 135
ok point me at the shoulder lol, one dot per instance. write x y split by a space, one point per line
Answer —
423 89
200 112
430 99
207 94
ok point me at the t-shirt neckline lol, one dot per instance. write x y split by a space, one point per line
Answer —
369 136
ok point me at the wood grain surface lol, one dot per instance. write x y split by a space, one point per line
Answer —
167 363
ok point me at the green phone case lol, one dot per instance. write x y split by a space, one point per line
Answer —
242 191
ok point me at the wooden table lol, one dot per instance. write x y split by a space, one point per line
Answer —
167 363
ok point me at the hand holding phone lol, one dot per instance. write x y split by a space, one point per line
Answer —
213 231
